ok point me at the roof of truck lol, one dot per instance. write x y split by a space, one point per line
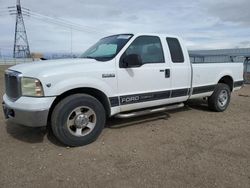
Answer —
156 34
150 34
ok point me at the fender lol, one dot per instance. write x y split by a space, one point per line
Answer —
223 74
79 82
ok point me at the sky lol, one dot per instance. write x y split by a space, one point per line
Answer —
203 24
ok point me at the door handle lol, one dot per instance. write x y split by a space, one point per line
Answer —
167 73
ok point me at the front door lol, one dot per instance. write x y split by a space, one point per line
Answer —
147 85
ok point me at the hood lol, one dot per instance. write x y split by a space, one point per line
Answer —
48 67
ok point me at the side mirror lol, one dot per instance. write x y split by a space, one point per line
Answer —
132 60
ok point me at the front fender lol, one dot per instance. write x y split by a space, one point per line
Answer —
78 82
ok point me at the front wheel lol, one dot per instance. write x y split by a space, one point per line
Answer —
78 120
220 99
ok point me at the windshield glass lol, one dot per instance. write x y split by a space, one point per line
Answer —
107 48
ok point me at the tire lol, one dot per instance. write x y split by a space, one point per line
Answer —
78 120
220 98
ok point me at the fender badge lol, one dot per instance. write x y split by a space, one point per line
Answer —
108 75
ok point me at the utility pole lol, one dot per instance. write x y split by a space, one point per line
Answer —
21 45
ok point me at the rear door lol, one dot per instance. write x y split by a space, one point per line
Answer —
180 69
150 84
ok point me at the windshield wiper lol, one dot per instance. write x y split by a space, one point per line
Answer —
98 58
89 57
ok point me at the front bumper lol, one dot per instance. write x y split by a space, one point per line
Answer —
28 111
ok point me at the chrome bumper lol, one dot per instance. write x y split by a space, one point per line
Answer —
26 117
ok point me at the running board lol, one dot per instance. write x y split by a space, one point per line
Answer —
149 111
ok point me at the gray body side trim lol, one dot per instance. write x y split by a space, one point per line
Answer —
152 96
214 62
25 117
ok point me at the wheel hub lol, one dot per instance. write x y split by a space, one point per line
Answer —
223 98
81 121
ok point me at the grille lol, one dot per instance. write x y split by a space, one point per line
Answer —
12 84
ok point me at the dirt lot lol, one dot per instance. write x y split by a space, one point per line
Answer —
189 147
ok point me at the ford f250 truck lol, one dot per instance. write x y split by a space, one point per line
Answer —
123 75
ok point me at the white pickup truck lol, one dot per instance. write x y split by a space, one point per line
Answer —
123 75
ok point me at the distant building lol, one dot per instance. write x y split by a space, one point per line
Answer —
239 54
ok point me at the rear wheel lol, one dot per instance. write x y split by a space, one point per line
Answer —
78 120
220 99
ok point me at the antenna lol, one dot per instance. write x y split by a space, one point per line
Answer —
21 45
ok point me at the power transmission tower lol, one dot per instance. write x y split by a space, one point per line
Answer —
21 45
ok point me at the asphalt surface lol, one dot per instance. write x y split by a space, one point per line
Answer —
189 147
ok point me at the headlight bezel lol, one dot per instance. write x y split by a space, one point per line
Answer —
31 87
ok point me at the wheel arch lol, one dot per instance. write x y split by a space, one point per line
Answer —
227 80
99 95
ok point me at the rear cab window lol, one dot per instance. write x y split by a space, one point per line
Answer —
175 50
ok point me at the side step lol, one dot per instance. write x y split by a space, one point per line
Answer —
149 111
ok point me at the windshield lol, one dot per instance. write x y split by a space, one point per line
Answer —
107 48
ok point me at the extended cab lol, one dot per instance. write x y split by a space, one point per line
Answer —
123 75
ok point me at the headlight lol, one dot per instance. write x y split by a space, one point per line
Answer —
31 87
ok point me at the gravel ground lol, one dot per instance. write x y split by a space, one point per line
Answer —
189 147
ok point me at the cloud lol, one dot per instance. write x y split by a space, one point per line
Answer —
203 24
243 44
230 11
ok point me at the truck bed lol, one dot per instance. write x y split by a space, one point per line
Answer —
202 65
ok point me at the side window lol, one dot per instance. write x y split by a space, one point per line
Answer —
148 47
175 50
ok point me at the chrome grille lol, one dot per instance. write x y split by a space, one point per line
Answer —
12 84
